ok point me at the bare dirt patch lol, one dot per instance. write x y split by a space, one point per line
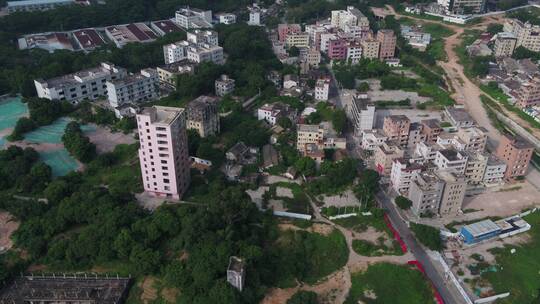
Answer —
371 235
319 228
106 141
149 292
169 294
8 225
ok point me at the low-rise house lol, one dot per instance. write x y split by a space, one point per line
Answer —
226 18
290 81
271 113
203 116
416 37
200 164
224 85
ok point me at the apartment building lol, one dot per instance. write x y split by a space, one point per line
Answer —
528 93
36 5
325 41
425 192
168 74
271 113
203 37
397 127
190 18
458 117
354 52
431 128
370 48
175 52
453 193
312 57
86 84
255 17
527 34
385 155
476 168
416 135
299 40
427 151
163 151
474 139
203 116
387 39
495 169
516 152
284 30
205 53
322 89
373 138
224 85
133 88
461 7
362 113
504 45
402 174
337 49
349 17
451 160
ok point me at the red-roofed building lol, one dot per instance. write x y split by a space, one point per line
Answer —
164 27
88 39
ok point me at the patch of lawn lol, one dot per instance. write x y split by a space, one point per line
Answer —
309 257
360 223
367 248
389 283
427 235
519 273
437 30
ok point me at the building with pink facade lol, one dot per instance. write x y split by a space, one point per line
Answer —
337 49
387 40
163 151
285 30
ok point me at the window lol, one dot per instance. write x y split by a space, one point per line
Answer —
166 180
163 161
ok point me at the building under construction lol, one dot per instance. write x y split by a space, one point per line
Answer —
78 289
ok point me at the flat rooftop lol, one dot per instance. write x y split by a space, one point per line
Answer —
482 228
450 154
37 2
162 115
167 26
60 289
88 38
459 114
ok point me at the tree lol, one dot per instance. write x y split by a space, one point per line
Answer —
284 122
403 202
303 297
339 120
294 51
306 166
428 236
494 28
363 87
77 143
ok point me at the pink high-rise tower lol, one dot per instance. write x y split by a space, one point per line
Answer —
163 151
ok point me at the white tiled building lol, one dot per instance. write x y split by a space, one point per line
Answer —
495 169
86 84
322 89
203 37
196 53
226 18
189 18
134 88
402 174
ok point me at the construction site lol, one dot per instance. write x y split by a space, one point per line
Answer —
81 289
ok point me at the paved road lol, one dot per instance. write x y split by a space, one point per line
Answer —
446 290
